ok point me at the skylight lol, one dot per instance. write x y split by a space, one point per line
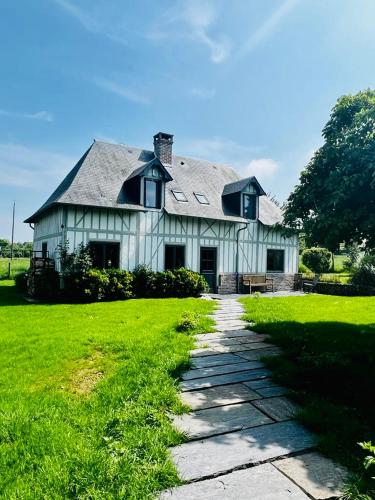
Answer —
201 198
179 195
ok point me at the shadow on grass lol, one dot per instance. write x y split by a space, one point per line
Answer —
330 366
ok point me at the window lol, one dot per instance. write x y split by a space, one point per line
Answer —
105 255
275 260
201 198
249 207
152 194
44 250
179 195
174 256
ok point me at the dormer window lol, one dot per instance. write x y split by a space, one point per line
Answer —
152 193
201 198
249 206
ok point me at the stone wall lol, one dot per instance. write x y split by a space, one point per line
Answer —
282 281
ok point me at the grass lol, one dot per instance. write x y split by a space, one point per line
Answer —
18 265
328 361
85 393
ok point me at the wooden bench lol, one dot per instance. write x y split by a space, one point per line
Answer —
257 281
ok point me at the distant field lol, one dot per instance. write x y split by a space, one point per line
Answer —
17 266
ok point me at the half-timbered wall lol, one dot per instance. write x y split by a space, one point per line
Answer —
143 236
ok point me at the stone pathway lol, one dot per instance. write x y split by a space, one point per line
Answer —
241 419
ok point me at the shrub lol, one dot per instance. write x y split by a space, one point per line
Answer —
144 279
120 284
77 262
189 283
317 259
364 273
353 253
46 284
165 284
188 322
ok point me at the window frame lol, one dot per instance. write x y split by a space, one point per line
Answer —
177 192
106 244
255 198
174 246
158 184
203 196
283 260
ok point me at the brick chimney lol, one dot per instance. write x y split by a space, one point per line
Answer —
163 147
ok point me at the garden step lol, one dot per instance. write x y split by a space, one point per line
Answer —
228 378
224 335
241 347
257 384
268 392
220 370
218 396
263 482
317 475
219 454
229 418
257 354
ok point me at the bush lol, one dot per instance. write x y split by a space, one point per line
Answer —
364 273
317 259
120 284
189 283
165 284
188 322
144 279
46 284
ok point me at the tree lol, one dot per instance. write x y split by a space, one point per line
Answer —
334 201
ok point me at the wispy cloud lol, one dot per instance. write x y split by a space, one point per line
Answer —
195 20
203 93
261 168
120 90
25 167
267 28
45 116
94 24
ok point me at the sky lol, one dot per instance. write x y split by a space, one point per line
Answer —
249 83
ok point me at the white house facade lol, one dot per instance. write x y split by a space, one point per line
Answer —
134 206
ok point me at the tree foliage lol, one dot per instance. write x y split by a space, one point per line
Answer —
334 201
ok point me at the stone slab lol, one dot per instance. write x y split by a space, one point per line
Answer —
218 396
254 338
203 352
225 335
263 482
227 328
220 370
268 392
257 354
242 347
317 475
257 384
219 454
278 408
214 342
211 421
219 359
228 378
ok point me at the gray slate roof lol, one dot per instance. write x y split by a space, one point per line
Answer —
97 181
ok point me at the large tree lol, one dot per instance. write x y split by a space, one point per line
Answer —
334 201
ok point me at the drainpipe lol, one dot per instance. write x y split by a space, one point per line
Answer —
238 255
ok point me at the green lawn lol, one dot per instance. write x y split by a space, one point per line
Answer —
85 393
17 266
329 361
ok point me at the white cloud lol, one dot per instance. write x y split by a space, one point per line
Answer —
25 167
120 90
195 19
203 93
261 168
266 29
45 116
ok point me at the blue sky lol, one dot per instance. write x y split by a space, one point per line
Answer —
247 82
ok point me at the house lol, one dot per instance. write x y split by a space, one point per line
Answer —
135 206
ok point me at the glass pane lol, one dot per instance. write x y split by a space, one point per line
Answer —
275 260
179 195
201 198
151 193
249 206
174 256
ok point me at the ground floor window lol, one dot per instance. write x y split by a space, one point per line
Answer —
174 256
105 255
44 250
275 260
